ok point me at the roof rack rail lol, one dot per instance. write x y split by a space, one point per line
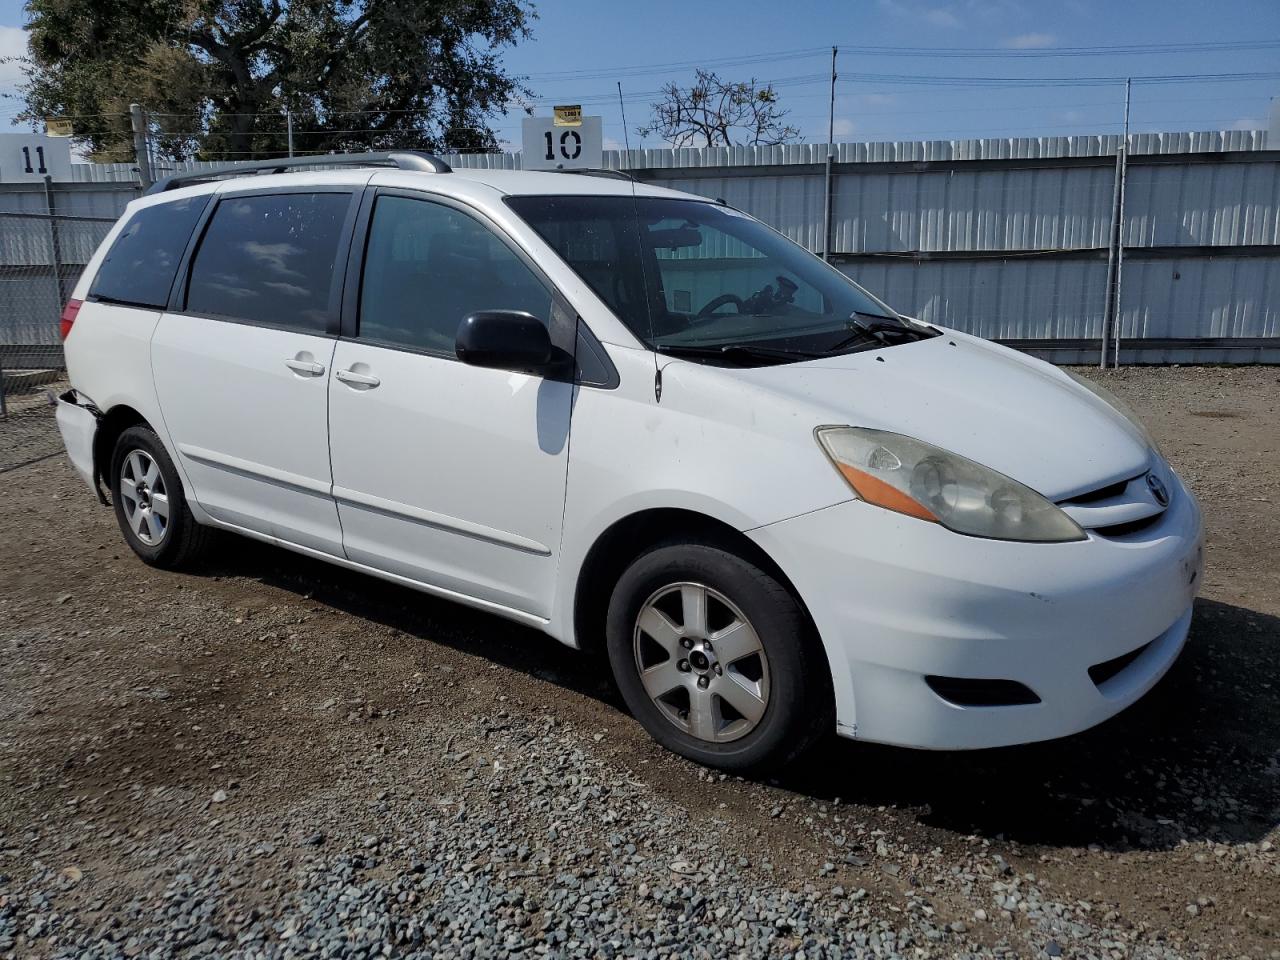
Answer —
596 172
401 159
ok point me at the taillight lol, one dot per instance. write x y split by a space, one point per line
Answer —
69 317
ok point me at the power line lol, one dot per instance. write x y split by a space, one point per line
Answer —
610 97
856 112
948 81
1091 124
1070 81
1084 51
932 53
862 79
952 81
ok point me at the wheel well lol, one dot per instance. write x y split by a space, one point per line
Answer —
113 423
631 536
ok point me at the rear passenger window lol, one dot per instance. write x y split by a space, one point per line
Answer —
139 268
270 259
427 266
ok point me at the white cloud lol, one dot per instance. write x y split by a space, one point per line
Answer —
995 9
1030 41
876 99
844 127
941 17
13 43
912 10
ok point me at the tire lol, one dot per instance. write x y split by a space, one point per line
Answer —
785 700
144 487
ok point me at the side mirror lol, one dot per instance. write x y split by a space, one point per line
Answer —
506 340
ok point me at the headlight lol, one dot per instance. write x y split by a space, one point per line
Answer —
1119 406
920 480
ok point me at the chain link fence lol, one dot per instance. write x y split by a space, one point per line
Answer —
41 257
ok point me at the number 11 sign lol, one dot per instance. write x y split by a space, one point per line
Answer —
549 146
31 157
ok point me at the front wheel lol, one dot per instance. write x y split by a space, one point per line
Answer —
150 504
717 659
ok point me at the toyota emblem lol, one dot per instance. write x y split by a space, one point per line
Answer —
1158 489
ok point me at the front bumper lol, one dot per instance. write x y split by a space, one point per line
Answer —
897 599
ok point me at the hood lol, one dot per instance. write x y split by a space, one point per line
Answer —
997 407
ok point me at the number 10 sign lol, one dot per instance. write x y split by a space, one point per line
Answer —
548 146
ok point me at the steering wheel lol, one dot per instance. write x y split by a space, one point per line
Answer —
717 303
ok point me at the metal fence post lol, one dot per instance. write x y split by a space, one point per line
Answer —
1124 173
1113 234
140 153
55 241
826 193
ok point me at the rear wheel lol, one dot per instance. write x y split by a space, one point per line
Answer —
150 504
716 658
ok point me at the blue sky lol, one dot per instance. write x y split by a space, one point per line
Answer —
580 47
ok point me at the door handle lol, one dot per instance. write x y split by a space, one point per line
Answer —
309 367
357 379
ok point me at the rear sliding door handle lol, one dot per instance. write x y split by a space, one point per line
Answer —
308 367
357 379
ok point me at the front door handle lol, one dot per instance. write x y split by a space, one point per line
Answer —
357 379
308 367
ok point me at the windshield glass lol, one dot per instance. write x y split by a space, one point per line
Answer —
688 275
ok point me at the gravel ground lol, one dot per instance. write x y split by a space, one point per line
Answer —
274 758
28 433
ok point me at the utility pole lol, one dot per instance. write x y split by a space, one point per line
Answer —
1124 173
831 135
140 152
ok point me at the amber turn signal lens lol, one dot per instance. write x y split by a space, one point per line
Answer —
882 494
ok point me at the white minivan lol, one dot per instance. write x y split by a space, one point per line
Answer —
644 423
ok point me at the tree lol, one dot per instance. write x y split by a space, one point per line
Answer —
717 113
216 75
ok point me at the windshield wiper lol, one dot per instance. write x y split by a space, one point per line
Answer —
877 327
736 351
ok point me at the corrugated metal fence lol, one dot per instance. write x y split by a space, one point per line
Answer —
1004 238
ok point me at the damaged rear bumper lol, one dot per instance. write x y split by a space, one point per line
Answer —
78 424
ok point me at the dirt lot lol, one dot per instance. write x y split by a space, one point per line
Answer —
272 757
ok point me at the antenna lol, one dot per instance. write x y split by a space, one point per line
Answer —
626 134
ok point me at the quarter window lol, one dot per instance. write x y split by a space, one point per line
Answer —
270 259
427 266
139 268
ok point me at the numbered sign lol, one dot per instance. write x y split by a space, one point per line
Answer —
30 157
549 146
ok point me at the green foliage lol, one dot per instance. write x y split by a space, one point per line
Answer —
215 76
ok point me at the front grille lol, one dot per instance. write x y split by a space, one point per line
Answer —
1128 529
1100 673
1118 509
1102 493
967 692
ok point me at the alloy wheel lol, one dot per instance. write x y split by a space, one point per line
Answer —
144 497
701 662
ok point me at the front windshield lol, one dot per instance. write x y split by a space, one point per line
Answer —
687 275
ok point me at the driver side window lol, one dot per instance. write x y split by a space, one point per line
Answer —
428 266
701 267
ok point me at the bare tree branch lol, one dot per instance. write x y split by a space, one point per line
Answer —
713 112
